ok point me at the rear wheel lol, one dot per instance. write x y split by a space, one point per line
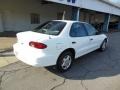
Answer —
65 61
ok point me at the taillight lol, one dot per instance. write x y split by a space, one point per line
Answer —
37 45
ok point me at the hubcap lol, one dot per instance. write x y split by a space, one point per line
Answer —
66 62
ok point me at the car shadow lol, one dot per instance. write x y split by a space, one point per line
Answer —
93 65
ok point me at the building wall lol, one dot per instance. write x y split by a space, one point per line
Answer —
16 13
91 16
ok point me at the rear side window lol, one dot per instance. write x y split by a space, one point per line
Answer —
90 29
78 30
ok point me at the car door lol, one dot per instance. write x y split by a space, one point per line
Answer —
79 39
94 39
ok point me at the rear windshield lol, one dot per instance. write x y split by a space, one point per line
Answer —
51 27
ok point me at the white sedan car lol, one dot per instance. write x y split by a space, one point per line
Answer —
58 42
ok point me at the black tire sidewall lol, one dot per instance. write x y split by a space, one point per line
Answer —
104 42
59 61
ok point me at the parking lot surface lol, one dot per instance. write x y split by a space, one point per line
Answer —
94 71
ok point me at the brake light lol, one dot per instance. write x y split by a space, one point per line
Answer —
37 45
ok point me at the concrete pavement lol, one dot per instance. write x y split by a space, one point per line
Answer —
94 71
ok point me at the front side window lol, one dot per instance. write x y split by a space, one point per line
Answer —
78 30
90 29
51 27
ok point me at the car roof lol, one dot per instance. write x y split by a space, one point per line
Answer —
70 21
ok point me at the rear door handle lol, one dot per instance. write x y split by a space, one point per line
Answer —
73 42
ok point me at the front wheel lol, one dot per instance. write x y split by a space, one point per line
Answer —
103 46
65 61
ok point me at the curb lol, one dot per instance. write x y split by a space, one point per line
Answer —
6 54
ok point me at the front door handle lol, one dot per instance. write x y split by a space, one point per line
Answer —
91 39
73 42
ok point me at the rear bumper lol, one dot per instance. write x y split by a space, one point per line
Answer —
30 56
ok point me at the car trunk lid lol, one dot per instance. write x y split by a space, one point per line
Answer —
28 36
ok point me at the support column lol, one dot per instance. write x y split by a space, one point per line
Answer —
1 23
75 13
119 24
63 17
106 23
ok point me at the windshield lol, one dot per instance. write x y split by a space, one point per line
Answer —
51 27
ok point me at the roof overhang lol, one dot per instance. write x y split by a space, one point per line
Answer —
115 4
96 5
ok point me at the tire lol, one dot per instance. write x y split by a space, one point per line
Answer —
103 45
65 61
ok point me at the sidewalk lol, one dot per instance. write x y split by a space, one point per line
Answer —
6 52
6 42
7 60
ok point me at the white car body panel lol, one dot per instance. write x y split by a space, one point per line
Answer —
55 46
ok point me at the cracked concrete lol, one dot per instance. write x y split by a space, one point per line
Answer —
1 79
7 72
82 81
95 71
53 88
28 75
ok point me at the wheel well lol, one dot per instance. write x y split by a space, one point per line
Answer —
70 50
106 39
